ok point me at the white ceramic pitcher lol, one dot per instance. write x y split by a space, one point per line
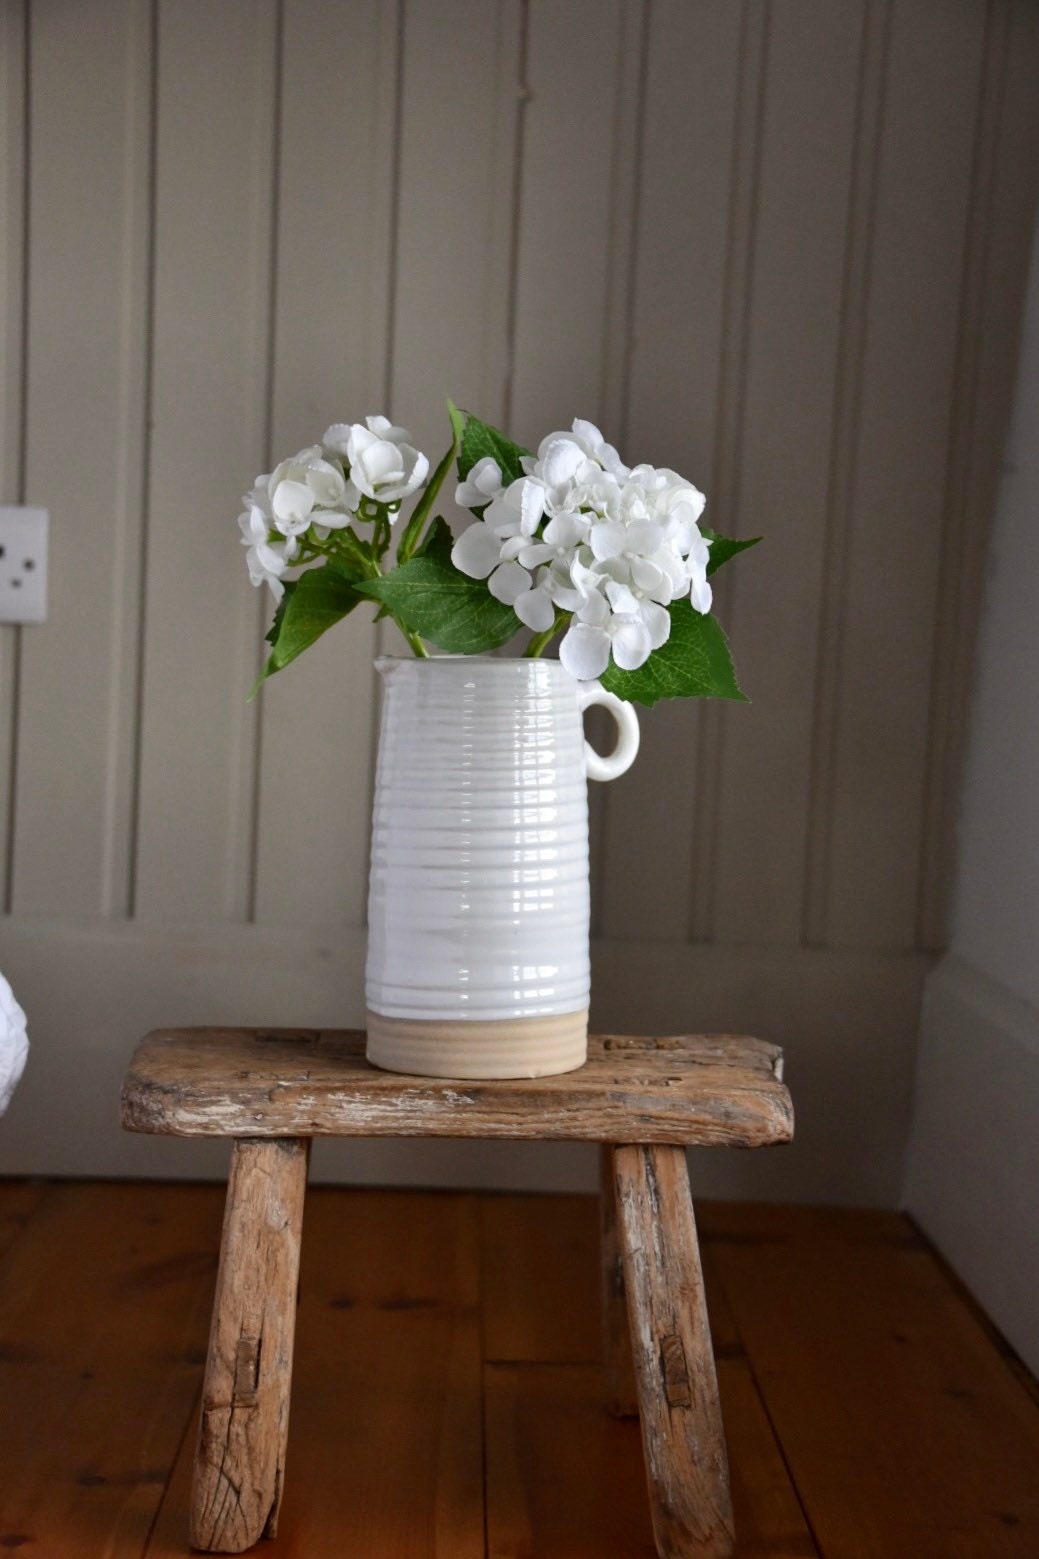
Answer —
478 896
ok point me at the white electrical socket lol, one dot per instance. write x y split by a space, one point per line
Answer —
23 564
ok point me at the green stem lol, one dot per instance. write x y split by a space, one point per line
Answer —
414 640
541 641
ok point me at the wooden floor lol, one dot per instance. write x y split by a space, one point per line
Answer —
447 1395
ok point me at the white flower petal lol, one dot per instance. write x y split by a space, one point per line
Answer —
607 540
507 582
594 609
631 643
531 504
700 594
621 598
585 651
529 553
648 576
336 439
477 551
292 502
560 458
658 623
565 530
534 610
483 483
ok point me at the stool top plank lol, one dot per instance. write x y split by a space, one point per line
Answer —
232 1082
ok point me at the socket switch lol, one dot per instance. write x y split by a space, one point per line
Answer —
23 564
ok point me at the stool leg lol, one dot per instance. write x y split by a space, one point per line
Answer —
240 1459
682 1432
621 1399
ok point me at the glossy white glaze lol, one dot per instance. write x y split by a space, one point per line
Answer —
478 896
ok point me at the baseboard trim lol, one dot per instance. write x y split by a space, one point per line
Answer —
847 1021
972 1170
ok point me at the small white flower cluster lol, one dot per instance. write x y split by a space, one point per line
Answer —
581 532
356 465
14 1044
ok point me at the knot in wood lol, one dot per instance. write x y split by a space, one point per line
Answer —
675 1372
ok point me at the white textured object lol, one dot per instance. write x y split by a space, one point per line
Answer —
478 899
14 1044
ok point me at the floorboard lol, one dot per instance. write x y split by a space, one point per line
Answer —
18 1198
902 1432
448 1396
104 1312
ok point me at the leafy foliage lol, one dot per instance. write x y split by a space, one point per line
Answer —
724 547
310 605
409 541
430 597
694 663
479 439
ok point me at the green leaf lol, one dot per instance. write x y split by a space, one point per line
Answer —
480 439
310 605
271 636
694 663
724 547
438 539
429 596
409 541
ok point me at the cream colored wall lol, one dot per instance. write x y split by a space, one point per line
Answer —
779 246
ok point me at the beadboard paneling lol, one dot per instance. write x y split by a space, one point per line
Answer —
670 414
785 424
781 247
330 361
214 190
923 196
86 321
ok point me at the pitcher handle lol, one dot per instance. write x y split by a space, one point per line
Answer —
624 754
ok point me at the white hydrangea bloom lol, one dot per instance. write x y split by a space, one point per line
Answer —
582 533
309 488
481 485
266 560
14 1044
383 463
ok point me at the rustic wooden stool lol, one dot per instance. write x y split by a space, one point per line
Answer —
642 1099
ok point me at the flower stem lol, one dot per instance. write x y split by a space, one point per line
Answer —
541 641
416 643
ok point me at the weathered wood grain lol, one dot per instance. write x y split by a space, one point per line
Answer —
240 1458
385 1456
682 1433
711 1090
618 1363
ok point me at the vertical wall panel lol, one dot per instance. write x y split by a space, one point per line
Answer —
685 178
574 244
336 186
454 227
13 192
87 292
904 426
999 244
799 235
836 528
565 208
216 127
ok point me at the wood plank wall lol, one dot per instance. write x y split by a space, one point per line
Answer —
780 245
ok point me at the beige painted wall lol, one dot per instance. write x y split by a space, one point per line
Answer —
781 247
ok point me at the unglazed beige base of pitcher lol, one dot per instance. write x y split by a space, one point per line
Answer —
506 1047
